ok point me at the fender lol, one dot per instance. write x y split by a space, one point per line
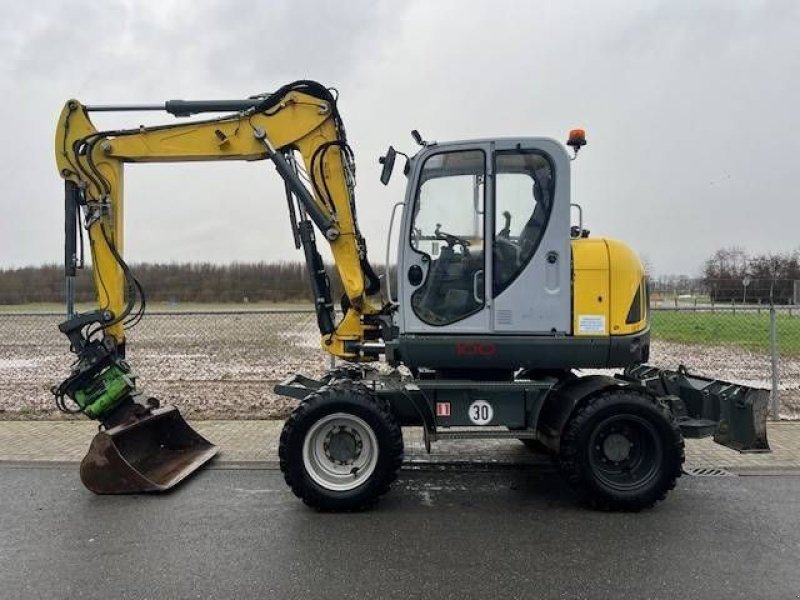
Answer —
559 405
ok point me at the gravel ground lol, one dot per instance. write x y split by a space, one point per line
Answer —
224 365
734 364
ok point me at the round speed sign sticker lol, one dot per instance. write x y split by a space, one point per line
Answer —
481 412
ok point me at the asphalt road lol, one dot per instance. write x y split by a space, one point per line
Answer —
450 534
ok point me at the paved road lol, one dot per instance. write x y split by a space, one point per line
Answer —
451 534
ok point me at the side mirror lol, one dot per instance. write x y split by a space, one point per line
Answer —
388 165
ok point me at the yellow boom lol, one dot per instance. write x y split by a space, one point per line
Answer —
294 119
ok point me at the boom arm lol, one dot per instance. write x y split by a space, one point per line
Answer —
300 117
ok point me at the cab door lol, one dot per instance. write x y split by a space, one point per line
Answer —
531 257
445 269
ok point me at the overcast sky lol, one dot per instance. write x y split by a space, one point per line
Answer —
692 111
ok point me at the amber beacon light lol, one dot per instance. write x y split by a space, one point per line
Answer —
577 138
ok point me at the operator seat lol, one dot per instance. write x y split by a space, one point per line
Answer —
534 229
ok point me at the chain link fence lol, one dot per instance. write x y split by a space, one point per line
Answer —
754 345
209 363
224 363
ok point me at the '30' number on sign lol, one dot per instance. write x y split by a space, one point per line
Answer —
480 412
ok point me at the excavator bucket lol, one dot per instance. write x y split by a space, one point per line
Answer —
152 454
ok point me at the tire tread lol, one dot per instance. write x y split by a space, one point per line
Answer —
569 464
390 441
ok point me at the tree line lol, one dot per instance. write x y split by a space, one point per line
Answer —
189 282
731 274
768 276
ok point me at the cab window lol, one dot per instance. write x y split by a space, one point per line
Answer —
448 228
523 201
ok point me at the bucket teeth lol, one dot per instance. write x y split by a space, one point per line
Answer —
152 454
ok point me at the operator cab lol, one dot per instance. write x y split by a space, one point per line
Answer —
484 244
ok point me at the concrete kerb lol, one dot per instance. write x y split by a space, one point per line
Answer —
254 444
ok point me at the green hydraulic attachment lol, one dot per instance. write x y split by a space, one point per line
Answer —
106 390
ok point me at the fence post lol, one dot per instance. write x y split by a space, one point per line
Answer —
773 356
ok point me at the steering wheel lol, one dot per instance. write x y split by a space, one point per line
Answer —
452 240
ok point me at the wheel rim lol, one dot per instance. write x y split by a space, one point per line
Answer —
625 452
340 452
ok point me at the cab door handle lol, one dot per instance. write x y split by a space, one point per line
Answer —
475 287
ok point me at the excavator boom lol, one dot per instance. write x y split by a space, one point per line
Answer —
300 119
298 128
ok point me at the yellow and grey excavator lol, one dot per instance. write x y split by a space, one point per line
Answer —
499 298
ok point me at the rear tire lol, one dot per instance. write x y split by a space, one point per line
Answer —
341 448
621 450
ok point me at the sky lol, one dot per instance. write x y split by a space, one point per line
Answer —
692 111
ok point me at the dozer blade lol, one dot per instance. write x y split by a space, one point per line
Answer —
736 415
152 454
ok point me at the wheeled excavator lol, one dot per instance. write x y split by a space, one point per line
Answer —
499 303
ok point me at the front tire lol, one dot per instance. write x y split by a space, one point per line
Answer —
341 448
621 450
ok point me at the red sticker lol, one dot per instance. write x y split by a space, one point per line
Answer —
442 409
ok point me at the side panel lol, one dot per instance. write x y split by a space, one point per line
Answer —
590 297
506 352
490 352
507 402
438 403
